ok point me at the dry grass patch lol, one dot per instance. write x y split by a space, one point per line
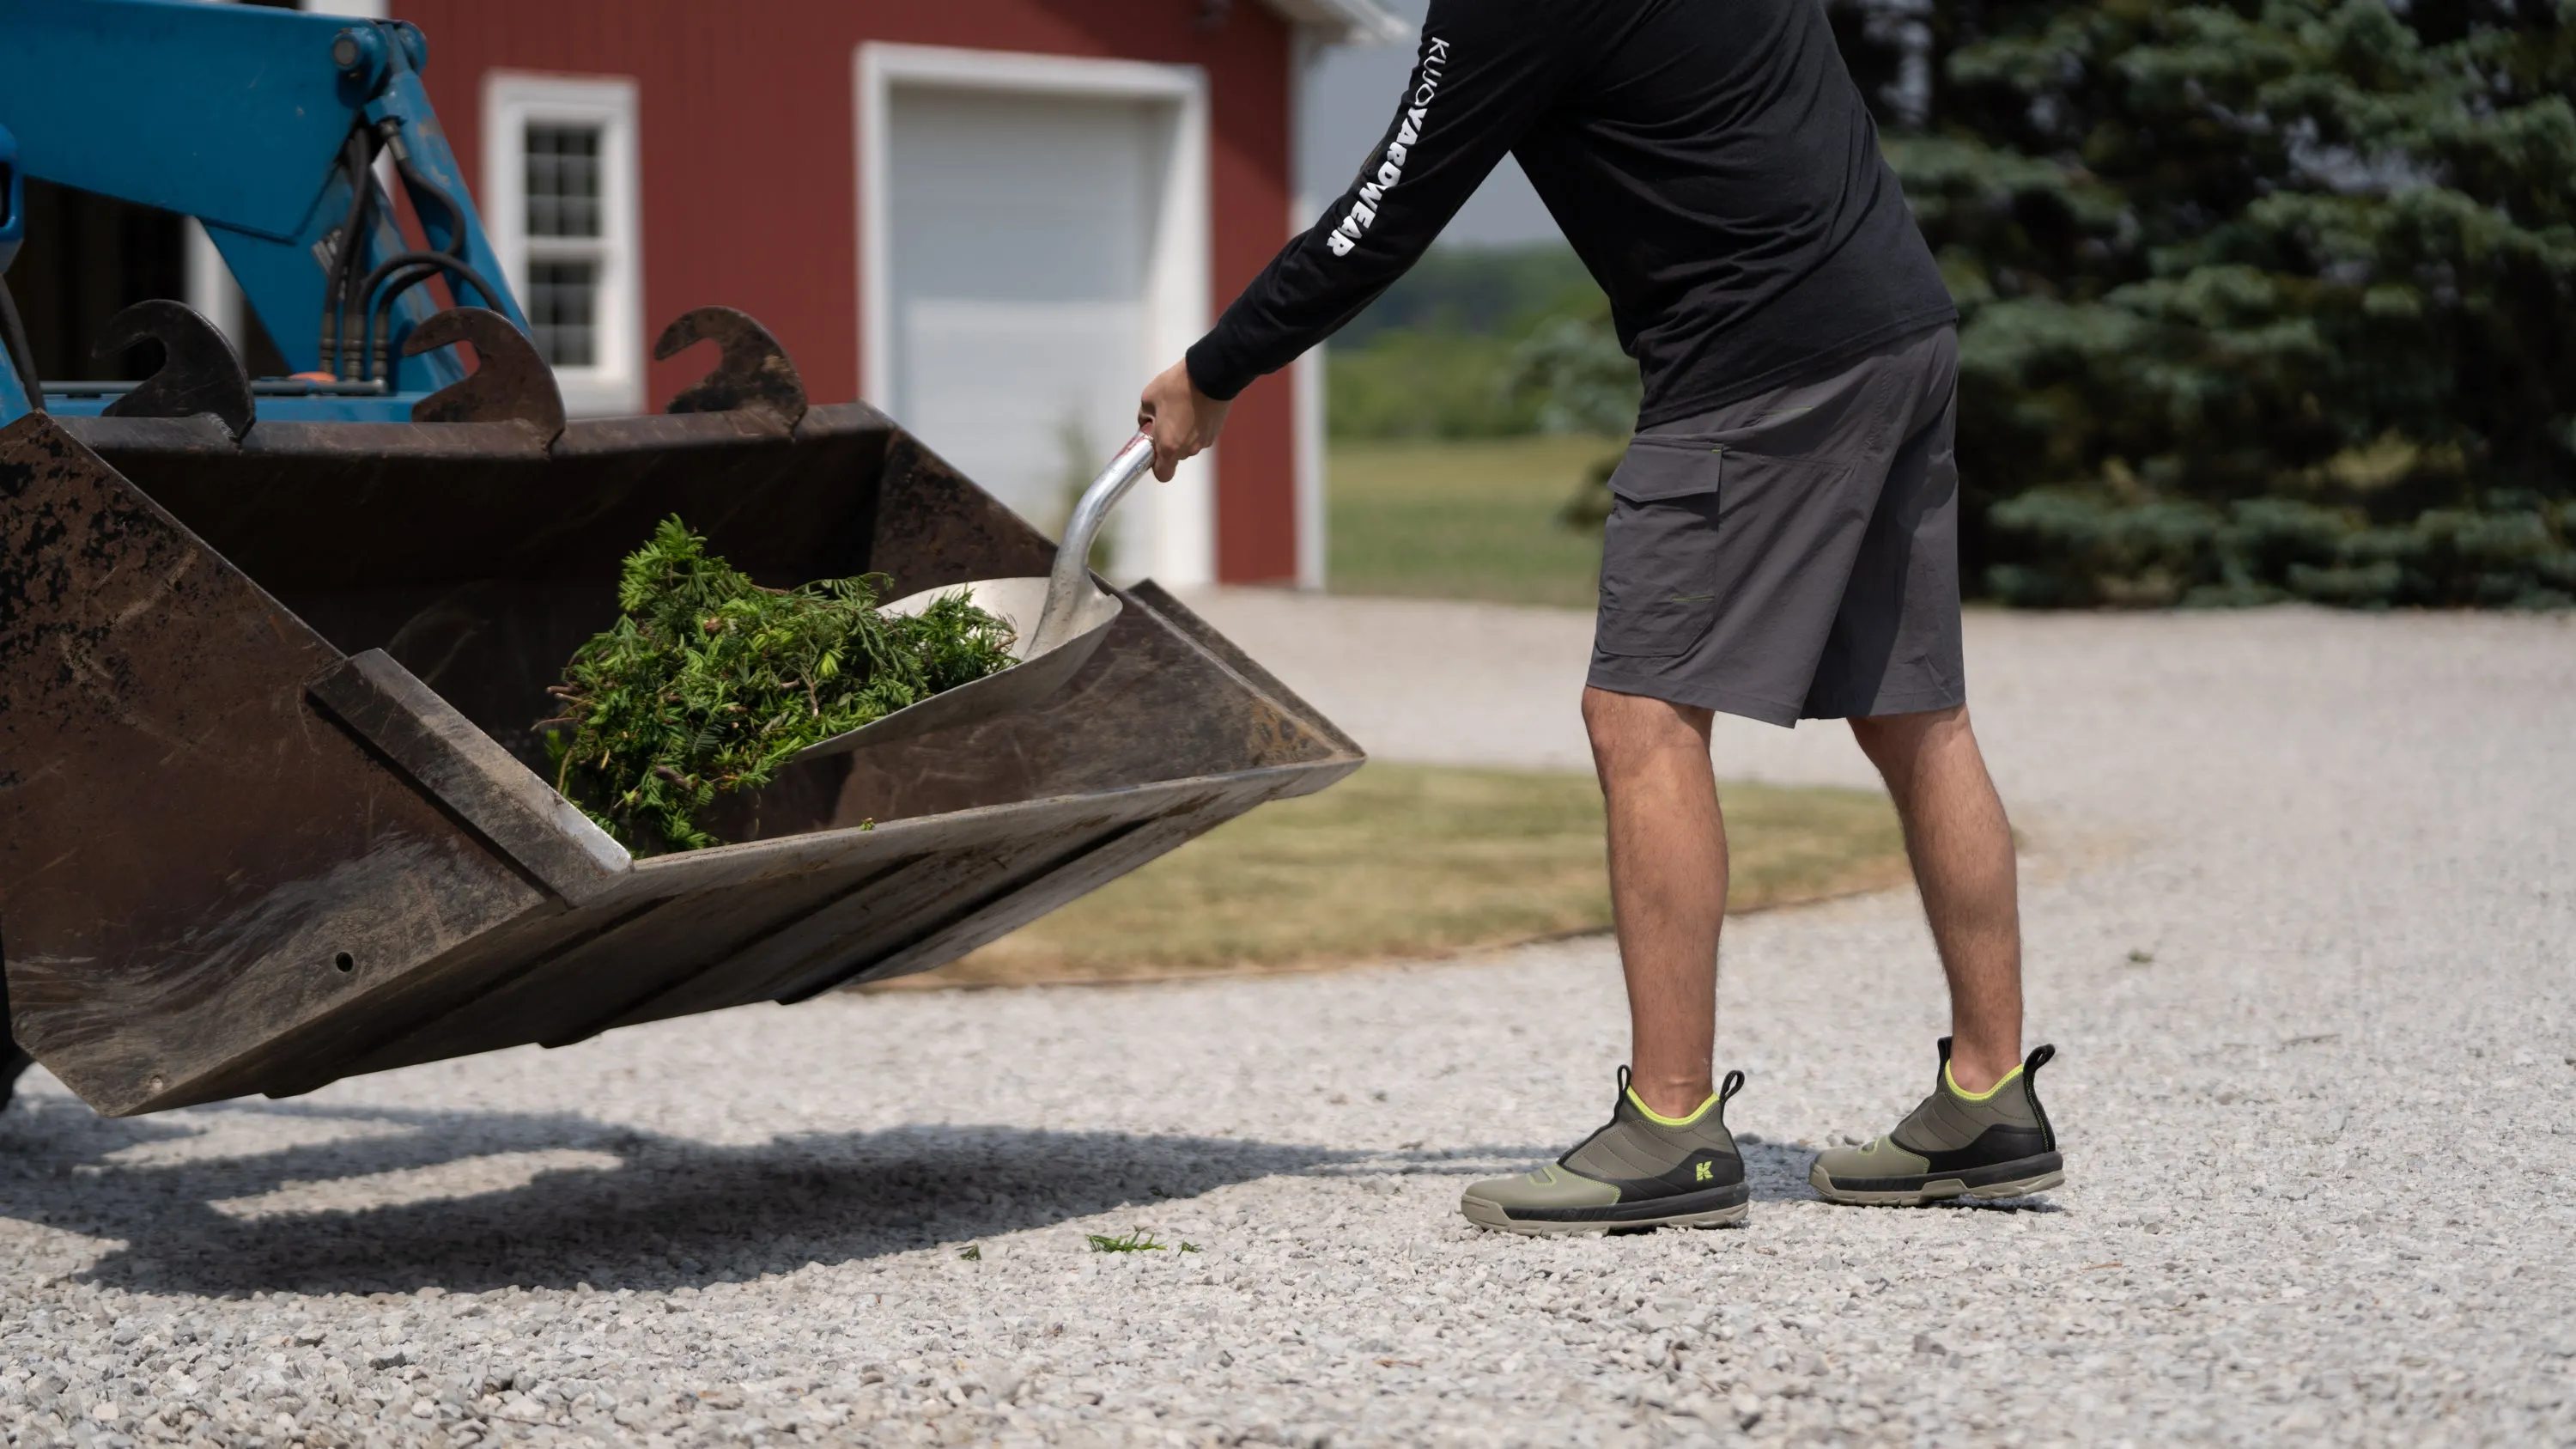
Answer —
1414 861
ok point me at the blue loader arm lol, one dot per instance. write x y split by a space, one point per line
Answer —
258 122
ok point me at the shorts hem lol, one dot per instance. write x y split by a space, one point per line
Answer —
1681 691
1919 701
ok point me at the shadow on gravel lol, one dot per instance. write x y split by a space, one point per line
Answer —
1776 1171
1773 1171
431 1199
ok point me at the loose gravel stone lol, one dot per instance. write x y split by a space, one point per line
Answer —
2300 913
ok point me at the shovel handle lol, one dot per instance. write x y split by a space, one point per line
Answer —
1069 583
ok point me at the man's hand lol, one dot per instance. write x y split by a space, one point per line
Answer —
1184 421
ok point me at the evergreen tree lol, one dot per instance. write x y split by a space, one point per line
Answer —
2261 298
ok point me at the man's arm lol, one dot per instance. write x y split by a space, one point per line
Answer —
1485 70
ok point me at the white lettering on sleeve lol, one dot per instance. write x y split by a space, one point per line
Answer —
1345 237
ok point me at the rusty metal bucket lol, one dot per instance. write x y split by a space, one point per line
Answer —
270 812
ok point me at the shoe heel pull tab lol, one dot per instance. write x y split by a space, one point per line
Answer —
1623 1081
2040 1056
1727 1089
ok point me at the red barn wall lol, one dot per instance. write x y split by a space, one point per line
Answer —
750 179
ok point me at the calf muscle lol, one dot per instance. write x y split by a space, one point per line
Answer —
1960 842
1667 886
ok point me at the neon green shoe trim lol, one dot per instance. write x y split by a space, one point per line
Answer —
1964 1095
1660 1120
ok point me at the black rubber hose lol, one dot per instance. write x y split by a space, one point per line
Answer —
357 159
352 171
380 316
22 357
455 214
442 261
454 249
430 262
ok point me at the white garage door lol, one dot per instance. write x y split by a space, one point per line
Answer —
1022 231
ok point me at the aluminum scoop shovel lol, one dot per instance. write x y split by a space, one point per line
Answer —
1056 623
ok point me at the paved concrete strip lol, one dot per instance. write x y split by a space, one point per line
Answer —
2318 1036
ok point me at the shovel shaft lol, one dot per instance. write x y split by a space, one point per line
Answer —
1069 584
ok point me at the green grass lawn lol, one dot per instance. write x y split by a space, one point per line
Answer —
1413 861
1473 519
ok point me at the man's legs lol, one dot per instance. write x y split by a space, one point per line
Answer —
1665 1157
1737 576
1668 882
1667 886
1981 1132
1962 849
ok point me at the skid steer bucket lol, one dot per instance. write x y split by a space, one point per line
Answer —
271 809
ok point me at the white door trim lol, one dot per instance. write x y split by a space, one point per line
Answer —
1307 374
1183 527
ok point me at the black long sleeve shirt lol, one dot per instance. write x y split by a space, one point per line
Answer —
1710 161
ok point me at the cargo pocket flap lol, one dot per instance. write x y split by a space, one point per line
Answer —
1659 551
1654 469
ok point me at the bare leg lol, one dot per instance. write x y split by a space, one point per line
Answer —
1962 849
1667 886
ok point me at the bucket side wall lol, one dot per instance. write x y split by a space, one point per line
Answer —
192 860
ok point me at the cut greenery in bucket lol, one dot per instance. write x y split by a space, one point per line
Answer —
709 683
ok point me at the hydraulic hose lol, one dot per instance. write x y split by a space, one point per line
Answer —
423 186
440 261
371 359
357 158
427 264
379 323
378 337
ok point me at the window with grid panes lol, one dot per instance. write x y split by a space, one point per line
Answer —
565 241
563 312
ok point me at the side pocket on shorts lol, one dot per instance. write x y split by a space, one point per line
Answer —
1659 550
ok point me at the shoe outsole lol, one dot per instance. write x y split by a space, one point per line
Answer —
1939 1189
1492 1215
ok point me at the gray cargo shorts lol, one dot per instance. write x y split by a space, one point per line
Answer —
1794 555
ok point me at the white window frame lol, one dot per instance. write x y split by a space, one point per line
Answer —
512 101
1179 518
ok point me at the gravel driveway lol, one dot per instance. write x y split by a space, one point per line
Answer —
2301 906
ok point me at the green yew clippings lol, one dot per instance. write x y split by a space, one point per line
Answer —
709 683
